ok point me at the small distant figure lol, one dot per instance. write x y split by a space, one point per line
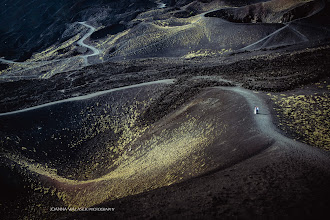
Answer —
256 110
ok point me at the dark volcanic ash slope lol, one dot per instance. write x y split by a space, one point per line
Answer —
96 151
280 178
165 130
185 31
31 26
276 11
273 72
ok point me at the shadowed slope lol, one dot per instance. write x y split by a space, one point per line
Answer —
115 159
285 179
210 29
275 11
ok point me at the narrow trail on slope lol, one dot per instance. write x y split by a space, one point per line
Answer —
313 157
35 62
287 25
42 63
81 42
88 96
266 126
263 120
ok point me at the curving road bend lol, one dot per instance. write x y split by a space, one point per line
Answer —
266 126
263 120
312 156
81 42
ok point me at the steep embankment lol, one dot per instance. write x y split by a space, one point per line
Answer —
105 148
120 134
97 151
284 178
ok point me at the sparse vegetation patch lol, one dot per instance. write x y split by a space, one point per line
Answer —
306 116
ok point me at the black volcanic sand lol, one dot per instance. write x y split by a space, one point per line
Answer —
188 149
163 33
230 168
276 11
279 179
260 178
271 70
69 137
159 151
56 134
31 26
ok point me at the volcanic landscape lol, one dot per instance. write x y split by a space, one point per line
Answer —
145 109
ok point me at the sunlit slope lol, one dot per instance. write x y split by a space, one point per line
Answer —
306 115
219 29
32 26
210 132
194 30
65 135
195 36
172 39
55 59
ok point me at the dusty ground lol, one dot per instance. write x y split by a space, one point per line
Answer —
285 179
184 145
248 171
261 72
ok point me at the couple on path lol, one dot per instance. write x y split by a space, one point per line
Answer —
256 110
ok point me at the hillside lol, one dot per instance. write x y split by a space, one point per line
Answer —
146 108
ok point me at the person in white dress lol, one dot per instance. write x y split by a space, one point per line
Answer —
256 110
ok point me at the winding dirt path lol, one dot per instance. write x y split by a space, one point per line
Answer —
89 96
81 42
312 157
263 119
266 126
